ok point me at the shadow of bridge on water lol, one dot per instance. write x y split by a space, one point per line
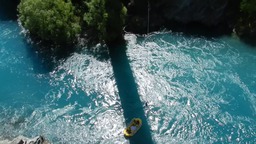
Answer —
129 96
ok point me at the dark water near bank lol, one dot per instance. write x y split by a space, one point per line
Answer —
186 89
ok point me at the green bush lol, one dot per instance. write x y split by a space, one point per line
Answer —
107 17
249 7
97 17
50 20
246 25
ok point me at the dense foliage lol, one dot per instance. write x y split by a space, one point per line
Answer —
107 17
249 7
246 25
50 20
61 21
97 17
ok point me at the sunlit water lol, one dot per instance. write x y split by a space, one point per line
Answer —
197 90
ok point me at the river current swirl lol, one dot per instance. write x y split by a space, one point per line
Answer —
194 89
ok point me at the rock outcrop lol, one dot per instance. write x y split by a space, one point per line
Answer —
25 140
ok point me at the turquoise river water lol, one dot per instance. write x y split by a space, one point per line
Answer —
187 89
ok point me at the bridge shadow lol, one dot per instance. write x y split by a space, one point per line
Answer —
129 96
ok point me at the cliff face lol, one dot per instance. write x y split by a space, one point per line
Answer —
210 13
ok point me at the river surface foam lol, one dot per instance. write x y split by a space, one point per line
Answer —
194 89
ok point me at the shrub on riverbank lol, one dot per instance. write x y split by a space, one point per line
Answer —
246 25
107 18
50 20
58 21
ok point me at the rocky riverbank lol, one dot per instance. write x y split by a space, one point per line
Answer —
210 16
25 140
215 14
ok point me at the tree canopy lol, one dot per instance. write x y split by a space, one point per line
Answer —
61 21
246 25
107 17
50 20
249 7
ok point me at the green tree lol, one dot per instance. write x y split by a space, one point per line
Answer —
107 17
96 17
249 7
50 20
246 25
